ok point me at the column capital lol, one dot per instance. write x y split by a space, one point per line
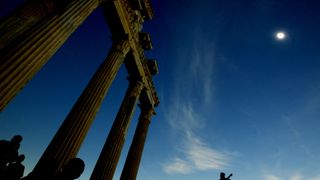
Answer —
136 86
147 111
122 45
68 139
110 154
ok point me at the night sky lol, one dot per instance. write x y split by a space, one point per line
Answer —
233 97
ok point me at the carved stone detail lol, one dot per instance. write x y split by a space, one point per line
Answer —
109 157
132 163
20 61
67 141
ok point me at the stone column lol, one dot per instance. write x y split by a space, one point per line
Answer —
132 163
21 60
67 141
24 17
110 154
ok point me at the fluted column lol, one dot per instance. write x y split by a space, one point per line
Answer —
110 154
67 141
24 17
132 163
21 60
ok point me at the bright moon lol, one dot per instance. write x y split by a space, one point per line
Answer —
280 35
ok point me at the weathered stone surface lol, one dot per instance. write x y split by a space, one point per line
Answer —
21 60
109 157
132 163
23 18
31 36
67 141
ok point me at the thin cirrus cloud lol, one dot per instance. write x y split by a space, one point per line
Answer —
272 177
292 176
193 91
197 156
194 153
315 178
204 157
177 166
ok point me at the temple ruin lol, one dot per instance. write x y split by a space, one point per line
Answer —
32 34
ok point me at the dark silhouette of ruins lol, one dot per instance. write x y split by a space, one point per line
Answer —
32 34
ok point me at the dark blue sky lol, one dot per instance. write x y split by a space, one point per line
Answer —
233 97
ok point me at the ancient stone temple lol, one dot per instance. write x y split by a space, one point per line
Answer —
32 34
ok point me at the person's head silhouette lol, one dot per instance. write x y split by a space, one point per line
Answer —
73 169
15 141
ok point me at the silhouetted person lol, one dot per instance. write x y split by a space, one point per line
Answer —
72 170
4 148
14 171
223 176
9 151
47 173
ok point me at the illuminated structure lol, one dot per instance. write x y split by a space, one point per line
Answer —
32 34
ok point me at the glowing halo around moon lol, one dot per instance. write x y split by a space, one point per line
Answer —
280 35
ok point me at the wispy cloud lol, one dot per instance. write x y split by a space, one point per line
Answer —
196 155
296 177
289 176
193 91
315 178
297 135
271 177
203 157
201 69
177 165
